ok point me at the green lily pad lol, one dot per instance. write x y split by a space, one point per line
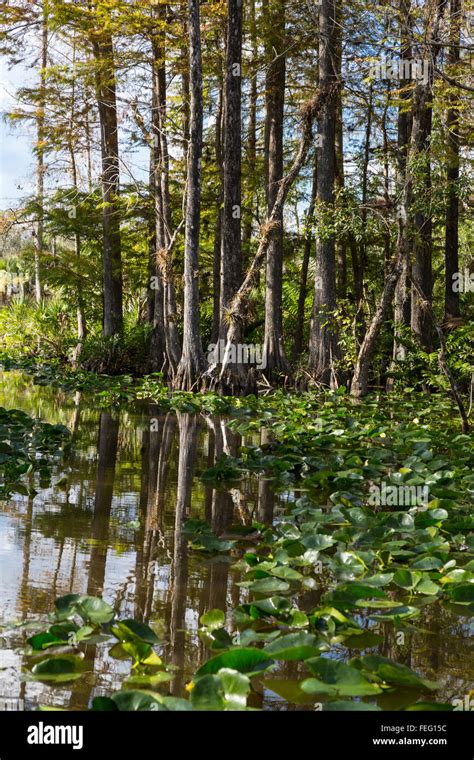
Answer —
338 679
294 646
243 659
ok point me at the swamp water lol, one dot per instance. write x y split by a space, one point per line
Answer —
111 525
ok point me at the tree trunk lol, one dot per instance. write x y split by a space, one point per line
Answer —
172 341
308 241
192 361
276 362
234 378
103 51
360 326
231 260
341 289
81 320
152 273
40 146
157 359
323 347
216 272
251 147
165 345
451 246
402 298
421 321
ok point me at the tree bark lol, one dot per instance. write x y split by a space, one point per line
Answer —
402 297
339 148
451 245
422 267
359 327
81 320
216 271
231 260
165 345
308 241
421 318
234 377
172 340
103 51
157 359
191 366
276 362
251 146
323 346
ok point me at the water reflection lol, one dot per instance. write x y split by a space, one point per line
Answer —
112 525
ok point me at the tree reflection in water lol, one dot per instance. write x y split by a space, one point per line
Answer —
115 528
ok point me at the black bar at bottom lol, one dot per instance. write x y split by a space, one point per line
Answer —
234 734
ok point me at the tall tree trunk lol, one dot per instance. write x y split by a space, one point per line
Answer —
362 253
323 347
88 139
172 341
421 321
81 320
103 50
235 376
165 339
422 267
40 146
216 272
451 246
251 146
192 361
157 359
386 182
276 362
231 260
402 298
152 273
308 241
341 289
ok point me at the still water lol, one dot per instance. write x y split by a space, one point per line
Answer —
111 525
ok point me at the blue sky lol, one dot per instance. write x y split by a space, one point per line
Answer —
16 159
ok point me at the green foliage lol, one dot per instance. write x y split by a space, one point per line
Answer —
422 368
28 449
45 331
118 354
